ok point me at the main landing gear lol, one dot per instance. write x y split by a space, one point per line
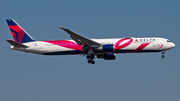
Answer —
163 54
90 58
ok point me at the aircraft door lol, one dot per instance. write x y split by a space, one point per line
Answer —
39 45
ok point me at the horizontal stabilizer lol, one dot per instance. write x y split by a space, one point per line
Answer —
16 44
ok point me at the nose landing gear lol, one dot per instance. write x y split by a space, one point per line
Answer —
163 54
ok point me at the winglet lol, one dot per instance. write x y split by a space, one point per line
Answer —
63 28
16 44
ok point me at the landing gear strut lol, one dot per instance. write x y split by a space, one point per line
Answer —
163 54
90 58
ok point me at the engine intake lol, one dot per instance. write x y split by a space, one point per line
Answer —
106 48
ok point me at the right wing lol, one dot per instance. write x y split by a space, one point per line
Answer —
81 40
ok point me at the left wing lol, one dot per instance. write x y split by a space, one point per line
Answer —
81 40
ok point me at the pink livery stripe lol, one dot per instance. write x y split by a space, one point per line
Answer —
66 44
142 46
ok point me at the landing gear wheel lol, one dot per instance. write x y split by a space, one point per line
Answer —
91 61
91 56
88 57
162 56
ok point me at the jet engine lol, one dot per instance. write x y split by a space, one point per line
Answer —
109 56
106 48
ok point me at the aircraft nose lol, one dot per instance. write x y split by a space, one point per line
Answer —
172 45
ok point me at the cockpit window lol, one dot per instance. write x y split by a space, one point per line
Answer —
168 41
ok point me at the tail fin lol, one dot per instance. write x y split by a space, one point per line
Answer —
19 34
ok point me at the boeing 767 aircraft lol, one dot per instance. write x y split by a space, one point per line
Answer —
101 48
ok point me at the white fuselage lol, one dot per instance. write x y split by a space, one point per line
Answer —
116 45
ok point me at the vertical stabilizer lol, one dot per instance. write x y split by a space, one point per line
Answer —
19 34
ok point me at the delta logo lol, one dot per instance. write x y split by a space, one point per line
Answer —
144 40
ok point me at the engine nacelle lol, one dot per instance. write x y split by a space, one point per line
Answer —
106 48
110 56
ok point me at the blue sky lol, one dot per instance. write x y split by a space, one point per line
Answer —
131 77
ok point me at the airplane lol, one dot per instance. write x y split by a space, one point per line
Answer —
101 48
